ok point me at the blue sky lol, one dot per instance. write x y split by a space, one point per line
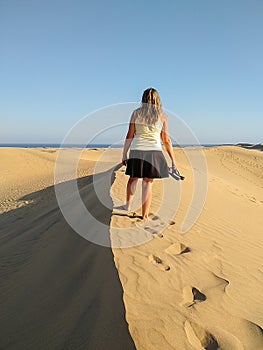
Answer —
60 60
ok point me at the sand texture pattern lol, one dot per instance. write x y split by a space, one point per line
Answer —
201 289
57 290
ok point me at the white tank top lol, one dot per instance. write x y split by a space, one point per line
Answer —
147 137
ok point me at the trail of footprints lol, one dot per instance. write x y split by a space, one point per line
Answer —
174 249
197 336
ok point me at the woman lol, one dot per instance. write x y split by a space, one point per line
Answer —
148 127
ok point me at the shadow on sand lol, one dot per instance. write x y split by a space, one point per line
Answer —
58 290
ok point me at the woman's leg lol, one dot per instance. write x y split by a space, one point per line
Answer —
131 187
146 196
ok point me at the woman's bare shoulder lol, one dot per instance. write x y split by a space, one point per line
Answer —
137 111
135 114
164 117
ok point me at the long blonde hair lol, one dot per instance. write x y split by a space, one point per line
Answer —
151 108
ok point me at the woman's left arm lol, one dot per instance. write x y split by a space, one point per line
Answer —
128 140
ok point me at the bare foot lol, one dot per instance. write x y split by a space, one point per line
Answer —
121 207
124 207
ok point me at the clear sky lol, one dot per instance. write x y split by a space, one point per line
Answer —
62 59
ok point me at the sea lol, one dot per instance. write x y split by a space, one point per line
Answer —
94 145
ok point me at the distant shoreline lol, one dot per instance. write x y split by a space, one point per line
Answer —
107 145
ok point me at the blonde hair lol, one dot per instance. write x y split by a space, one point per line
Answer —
151 108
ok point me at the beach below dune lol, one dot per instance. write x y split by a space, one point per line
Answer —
175 291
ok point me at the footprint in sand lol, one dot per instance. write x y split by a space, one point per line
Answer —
156 217
155 260
153 225
153 232
177 249
121 211
253 336
191 296
200 338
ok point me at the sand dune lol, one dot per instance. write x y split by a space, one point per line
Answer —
57 290
195 290
258 146
210 296
26 170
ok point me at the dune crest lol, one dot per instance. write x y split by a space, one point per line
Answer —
201 289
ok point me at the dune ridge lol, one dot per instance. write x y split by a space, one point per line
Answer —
57 290
195 290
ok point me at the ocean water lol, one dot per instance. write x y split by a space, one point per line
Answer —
55 145
95 145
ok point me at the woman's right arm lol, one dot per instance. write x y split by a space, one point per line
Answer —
167 140
128 140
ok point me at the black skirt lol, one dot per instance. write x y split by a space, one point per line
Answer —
150 164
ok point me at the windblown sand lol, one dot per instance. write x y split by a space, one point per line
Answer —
27 170
201 289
